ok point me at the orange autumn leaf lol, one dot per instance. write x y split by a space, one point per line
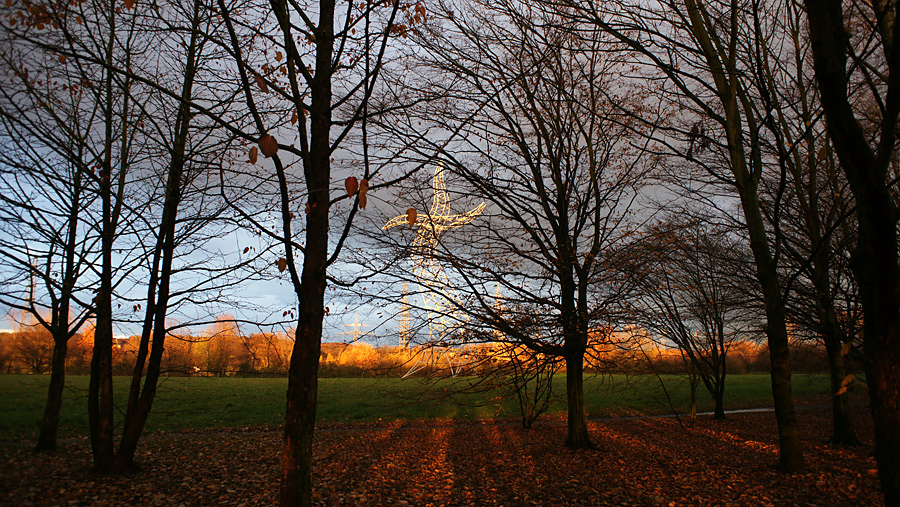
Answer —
411 216
261 83
363 189
268 145
846 349
282 264
254 154
351 184
845 384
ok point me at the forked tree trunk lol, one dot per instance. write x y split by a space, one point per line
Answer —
60 327
139 408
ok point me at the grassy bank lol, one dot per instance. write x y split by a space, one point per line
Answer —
199 403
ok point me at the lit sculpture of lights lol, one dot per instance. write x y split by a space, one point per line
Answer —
437 290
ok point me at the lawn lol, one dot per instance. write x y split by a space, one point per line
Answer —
200 403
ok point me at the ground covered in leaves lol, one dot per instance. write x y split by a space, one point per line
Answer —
652 462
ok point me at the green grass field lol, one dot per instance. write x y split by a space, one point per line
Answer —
200 403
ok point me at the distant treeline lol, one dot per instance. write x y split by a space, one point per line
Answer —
268 354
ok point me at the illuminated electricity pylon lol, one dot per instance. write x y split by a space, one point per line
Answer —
502 349
404 330
356 333
498 307
31 319
437 291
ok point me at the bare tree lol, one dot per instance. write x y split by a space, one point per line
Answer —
688 297
120 123
708 54
323 73
523 114
45 242
50 118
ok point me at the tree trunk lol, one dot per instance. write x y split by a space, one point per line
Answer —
844 433
832 336
693 381
578 436
50 422
875 261
100 395
124 460
300 417
100 387
747 171
139 409
883 377
790 456
719 399
303 382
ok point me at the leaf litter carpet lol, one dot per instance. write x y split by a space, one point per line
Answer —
638 462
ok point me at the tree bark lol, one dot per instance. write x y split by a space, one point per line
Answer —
100 395
578 436
843 433
719 399
303 382
50 422
300 416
